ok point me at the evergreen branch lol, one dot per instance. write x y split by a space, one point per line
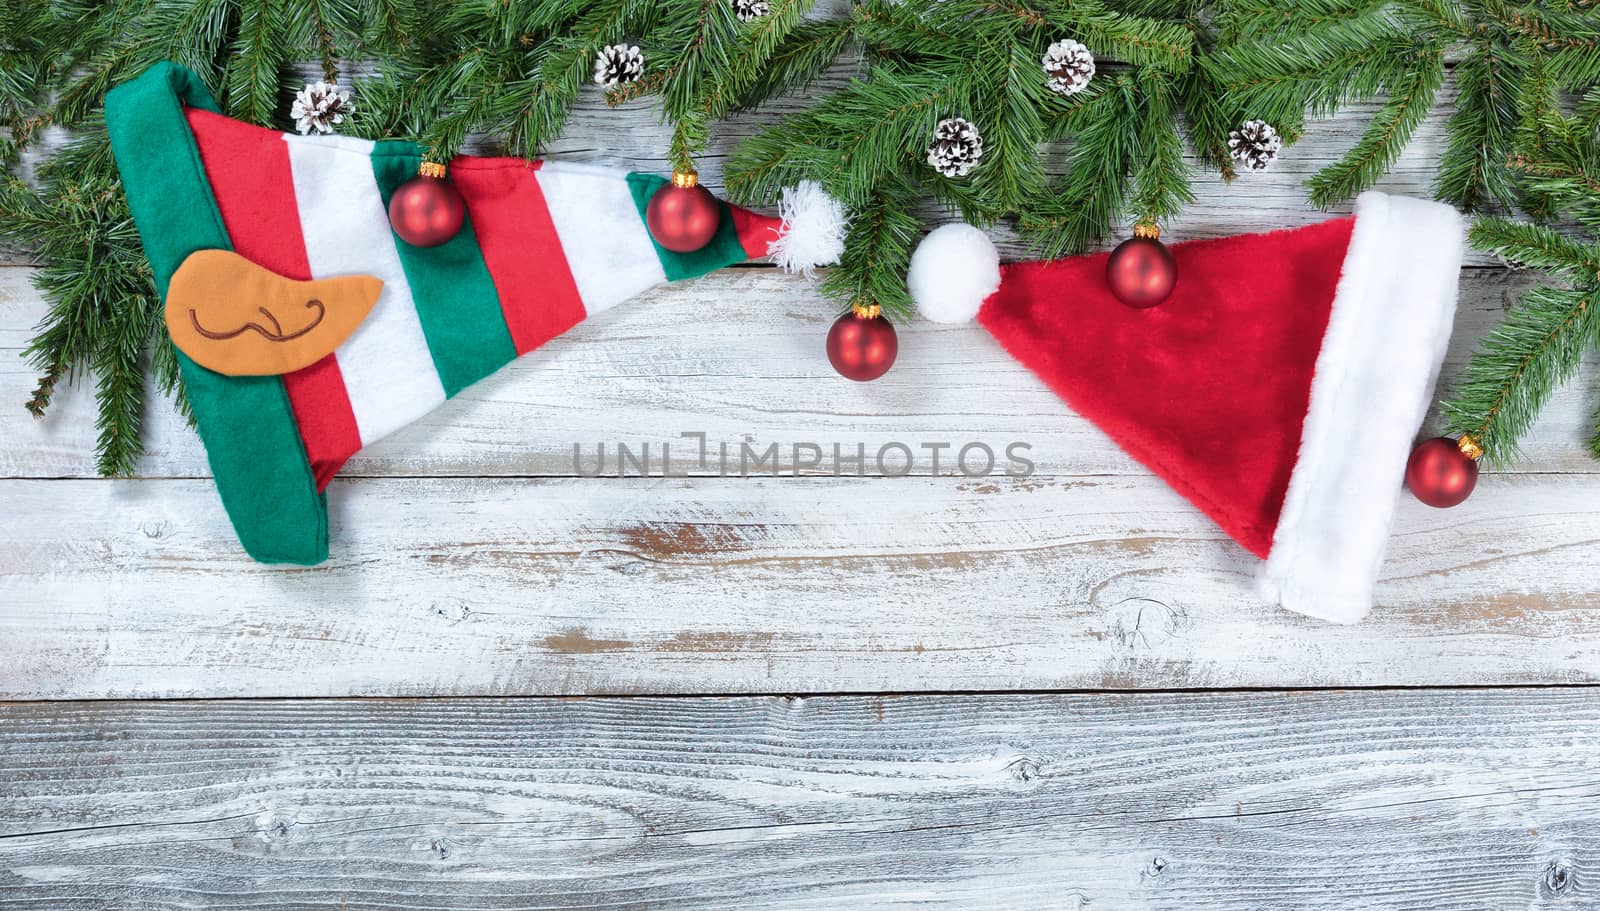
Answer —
1594 441
1537 114
1538 346
1317 71
1472 171
877 249
1519 365
1127 38
1240 20
1093 191
1160 176
1444 16
256 58
1383 139
791 67
756 52
1535 246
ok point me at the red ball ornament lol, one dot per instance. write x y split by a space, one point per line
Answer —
1442 472
427 210
862 344
683 216
1141 271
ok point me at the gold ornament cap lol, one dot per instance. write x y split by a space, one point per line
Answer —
867 311
1147 229
1470 447
434 169
685 179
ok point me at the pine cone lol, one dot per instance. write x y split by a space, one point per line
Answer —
1069 65
617 64
1254 145
319 106
751 9
956 148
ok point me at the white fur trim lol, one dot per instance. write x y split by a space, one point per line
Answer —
1392 315
953 271
812 234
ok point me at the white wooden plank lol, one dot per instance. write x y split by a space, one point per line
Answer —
1451 801
568 586
736 356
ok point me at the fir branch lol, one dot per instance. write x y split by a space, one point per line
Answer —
1012 172
1537 115
1537 347
1570 41
1315 72
754 54
1535 246
103 308
1239 20
1160 176
256 58
1594 441
1473 170
1375 152
1521 362
792 65
1093 191
877 250
1132 39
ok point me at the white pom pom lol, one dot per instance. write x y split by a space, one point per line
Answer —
813 229
952 271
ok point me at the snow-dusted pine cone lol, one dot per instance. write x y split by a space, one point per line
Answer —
751 9
956 148
319 106
1254 144
1069 65
617 64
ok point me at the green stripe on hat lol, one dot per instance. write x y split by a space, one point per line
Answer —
455 298
723 250
246 423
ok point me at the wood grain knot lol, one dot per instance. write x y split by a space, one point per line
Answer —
1559 878
1024 769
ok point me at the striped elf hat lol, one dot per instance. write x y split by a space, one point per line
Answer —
545 245
1278 388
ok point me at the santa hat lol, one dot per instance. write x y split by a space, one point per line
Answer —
1279 388
544 245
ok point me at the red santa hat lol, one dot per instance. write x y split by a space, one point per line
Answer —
1279 388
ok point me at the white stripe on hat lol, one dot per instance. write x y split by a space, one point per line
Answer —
607 247
1375 373
388 372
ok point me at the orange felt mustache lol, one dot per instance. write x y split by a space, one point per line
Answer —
232 316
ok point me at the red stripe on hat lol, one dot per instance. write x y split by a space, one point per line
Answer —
248 168
1210 388
756 231
538 295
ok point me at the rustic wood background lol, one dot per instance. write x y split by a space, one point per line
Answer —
1053 693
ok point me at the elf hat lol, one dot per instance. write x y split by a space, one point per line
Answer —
543 246
1279 388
